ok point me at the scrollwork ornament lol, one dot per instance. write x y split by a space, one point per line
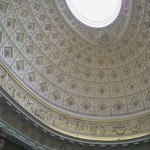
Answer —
5 79
134 127
102 130
119 128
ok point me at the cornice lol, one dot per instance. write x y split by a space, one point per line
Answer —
18 125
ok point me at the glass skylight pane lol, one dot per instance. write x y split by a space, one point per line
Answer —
95 13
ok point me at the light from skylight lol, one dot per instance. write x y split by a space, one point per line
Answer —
95 13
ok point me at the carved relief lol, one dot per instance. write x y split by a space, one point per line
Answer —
120 128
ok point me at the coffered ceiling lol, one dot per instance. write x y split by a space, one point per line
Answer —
78 70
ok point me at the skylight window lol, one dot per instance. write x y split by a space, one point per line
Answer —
95 13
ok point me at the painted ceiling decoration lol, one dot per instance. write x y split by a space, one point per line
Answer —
75 78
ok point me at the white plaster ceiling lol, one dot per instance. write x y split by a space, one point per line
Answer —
94 72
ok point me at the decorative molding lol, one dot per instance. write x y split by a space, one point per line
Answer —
96 130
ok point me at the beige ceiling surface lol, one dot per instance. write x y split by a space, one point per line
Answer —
96 72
